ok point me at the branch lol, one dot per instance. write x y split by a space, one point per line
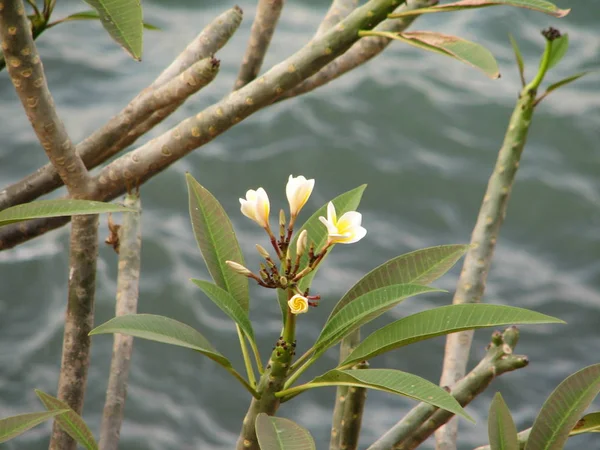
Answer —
478 259
522 438
424 419
361 52
130 244
27 74
263 27
338 10
156 155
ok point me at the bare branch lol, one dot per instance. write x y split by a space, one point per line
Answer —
338 10
206 44
27 74
130 245
361 52
263 27
424 419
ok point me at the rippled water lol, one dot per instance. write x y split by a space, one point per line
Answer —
420 129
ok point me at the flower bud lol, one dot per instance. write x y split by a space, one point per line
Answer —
262 251
297 191
298 304
283 281
301 243
256 206
238 268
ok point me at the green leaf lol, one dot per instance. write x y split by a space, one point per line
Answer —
563 408
559 50
228 305
419 267
590 423
536 5
501 427
93 15
564 81
395 382
317 234
519 58
217 241
440 321
56 208
162 329
362 310
70 421
14 426
123 21
276 433
465 51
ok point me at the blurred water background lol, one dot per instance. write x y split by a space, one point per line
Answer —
422 130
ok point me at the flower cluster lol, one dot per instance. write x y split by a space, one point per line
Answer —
345 230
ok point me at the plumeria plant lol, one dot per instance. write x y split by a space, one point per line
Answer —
296 255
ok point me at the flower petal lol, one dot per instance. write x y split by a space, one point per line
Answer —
331 228
351 219
331 215
356 235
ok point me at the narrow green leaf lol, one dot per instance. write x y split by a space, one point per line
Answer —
122 19
317 234
519 58
395 382
419 267
228 305
559 50
536 5
70 421
364 309
276 433
564 81
465 51
563 409
14 426
217 241
162 329
440 321
501 427
590 423
93 15
56 208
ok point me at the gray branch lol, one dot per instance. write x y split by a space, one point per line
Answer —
338 10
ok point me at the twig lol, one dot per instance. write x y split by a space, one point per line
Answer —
522 438
337 11
263 27
424 419
156 155
130 240
360 53
471 283
206 44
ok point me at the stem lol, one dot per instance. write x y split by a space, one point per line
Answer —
130 245
257 358
246 356
522 438
242 380
424 419
298 372
545 62
301 360
477 262
263 27
337 11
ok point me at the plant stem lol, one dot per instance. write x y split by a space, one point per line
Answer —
246 356
545 62
263 27
424 419
130 246
476 266
297 373
337 11
522 438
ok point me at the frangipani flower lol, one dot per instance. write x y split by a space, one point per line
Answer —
346 230
297 191
298 304
256 206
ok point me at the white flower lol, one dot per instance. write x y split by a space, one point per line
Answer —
301 243
297 191
256 206
238 268
346 230
298 304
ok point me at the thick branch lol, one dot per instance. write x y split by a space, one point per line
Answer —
361 52
130 245
27 74
263 27
338 10
424 419
476 266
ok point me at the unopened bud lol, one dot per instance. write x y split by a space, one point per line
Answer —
282 218
262 251
283 281
238 268
301 243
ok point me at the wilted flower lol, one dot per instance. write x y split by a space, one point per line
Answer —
256 206
298 304
347 229
297 191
